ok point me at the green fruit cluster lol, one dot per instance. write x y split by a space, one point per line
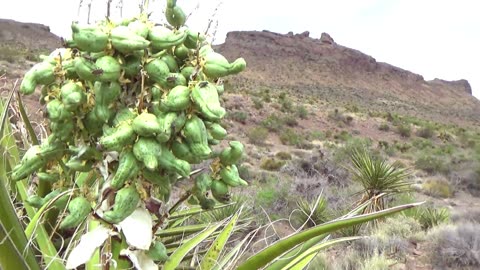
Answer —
149 92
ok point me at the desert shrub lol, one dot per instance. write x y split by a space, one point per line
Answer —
272 123
291 137
429 216
286 105
426 132
290 120
283 155
470 215
257 103
404 130
455 246
384 127
316 135
421 143
342 136
257 135
272 195
238 116
377 262
301 111
282 96
402 147
431 164
272 164
339 117
438 187
244 172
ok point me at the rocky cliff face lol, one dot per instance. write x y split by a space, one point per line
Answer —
30 36
324 68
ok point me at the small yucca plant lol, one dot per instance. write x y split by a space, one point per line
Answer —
378 178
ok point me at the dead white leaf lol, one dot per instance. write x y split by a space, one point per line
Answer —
139 259
137 228
85 249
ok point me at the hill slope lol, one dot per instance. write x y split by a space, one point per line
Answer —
322 68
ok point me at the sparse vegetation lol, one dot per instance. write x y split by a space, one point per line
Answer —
272 164
438 187
404 130
384 127
257 135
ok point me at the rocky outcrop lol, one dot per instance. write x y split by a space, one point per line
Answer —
462 85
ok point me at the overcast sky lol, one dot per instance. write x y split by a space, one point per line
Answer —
434 38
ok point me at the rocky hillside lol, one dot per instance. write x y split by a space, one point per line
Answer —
325 69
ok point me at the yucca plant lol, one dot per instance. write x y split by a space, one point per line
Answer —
378 178
430 217
311 213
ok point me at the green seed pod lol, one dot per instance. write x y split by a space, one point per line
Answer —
132 66
157 70
90 39
48 177
203 182
109 69
232 154
194 39
57 112
35 158
128 168
166 121
85 152
41 73
126 201
170 61
62 130
79 165
35 201
162 38
126 41
216 130
216 65
182 151
205 96
78 209
148 151
139 28
181 52
92 124
195 134
158 252
179 122
175 16
122 135
220 88
172 80
124 115
169 162
105 95
230 176
177 99
85 69
146 124
72 95
220 191
187 72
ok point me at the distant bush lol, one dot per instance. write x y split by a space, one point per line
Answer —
404 130
257 135
343 136
384 127
438 188
455 246
339 117
301 111
291 137
316 135
272 122
286 105
290 120
272 164
238 116
426 132
421 143
431 164
283 155
257 103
